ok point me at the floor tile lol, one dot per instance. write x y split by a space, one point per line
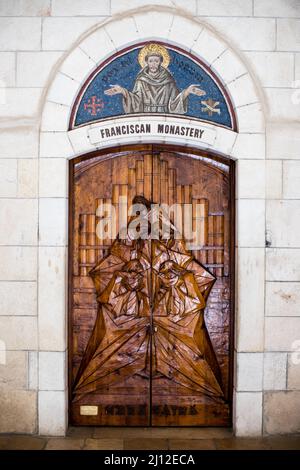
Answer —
22 442
81 431
284 443
192 444
145 444
64 443
103 444
147 439
242 444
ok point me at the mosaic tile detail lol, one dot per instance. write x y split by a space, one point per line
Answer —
126 85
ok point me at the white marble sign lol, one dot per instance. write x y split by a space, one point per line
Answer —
151 129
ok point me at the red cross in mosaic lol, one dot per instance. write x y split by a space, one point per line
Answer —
94 105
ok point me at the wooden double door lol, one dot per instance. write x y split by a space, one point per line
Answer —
151 288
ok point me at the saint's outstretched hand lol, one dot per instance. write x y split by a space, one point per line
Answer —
115 90
193 90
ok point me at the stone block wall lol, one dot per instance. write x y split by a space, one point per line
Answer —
35 38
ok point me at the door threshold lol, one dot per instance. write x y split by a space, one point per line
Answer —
166 432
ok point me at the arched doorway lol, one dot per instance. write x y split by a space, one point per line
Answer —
151 293
246 146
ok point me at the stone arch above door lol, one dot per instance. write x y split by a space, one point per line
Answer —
248 144
143 25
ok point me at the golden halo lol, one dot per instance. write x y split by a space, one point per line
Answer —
154 49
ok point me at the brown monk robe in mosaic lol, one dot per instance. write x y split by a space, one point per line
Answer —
151 296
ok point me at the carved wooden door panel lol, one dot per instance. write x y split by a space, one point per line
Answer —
151 291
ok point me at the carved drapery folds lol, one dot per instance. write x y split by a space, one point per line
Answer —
150 322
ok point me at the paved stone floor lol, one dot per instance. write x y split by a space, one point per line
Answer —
88 438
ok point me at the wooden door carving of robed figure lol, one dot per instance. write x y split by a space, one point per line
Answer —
151 311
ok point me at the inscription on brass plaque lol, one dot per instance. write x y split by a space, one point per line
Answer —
88 410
